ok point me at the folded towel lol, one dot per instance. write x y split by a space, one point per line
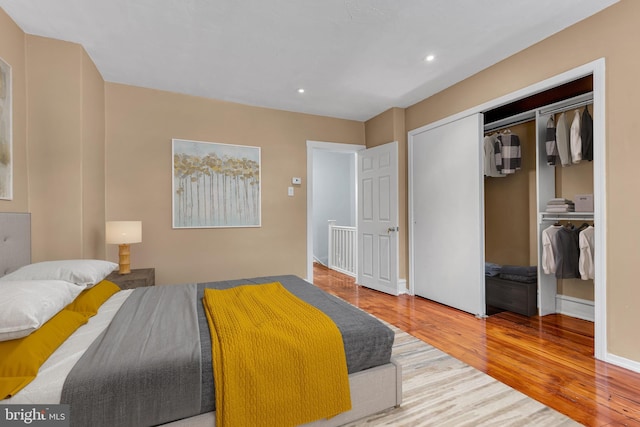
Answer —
491 269
558 201
560 210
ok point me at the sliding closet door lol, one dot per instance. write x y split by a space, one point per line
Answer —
447 214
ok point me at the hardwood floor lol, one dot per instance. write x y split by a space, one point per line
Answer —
548 358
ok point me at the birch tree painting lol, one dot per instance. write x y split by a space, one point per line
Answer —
6 160
215 185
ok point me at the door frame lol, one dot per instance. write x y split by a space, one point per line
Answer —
597 69
312 146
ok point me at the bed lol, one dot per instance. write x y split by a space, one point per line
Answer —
374 377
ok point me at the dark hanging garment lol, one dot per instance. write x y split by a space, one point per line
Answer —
586 134
550 143
567 248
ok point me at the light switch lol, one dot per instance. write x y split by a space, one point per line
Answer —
296 180
290 191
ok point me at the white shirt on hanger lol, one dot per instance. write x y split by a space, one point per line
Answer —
562 140
586 240
575 139
548 258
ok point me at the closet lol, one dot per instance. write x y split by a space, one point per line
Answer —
517 213
449 228
535 202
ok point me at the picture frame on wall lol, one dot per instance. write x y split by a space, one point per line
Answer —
215 185
6 143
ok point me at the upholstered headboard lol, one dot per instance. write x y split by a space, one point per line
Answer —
15 241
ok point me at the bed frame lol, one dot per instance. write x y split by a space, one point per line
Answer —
372 390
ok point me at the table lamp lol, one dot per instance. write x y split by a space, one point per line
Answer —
124 233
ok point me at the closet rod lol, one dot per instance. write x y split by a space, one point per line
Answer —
489 128
567 108
517 119
568 104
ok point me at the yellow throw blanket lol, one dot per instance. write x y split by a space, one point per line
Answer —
277 361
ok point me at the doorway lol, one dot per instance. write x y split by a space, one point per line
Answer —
376 191
320 154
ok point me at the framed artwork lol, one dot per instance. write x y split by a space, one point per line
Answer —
215 185
6 149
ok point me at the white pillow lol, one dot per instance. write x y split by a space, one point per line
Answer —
27 304
84 272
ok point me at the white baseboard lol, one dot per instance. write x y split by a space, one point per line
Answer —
629 364
402 286
584 309
575 307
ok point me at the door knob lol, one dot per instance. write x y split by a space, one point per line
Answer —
392 229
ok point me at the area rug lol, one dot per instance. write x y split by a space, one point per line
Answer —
439 390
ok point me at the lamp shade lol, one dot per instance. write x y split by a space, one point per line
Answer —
124 232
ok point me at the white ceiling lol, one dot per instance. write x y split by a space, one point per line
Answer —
354 58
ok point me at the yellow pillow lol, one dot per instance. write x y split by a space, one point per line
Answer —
90 300
20 359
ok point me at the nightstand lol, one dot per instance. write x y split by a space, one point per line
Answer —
137 278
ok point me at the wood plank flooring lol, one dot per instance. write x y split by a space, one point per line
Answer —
548 358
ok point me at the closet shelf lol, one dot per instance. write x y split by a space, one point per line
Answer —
559 216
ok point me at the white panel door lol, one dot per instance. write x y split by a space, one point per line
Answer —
378 218
446 211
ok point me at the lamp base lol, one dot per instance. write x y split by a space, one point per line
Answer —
125 259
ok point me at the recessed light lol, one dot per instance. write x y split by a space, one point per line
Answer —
301 90
429 58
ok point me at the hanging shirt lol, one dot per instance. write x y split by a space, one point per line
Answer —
511 154
562 140
490 168
586 262
497 152
548 258
566 250
550 143
586 134
575 139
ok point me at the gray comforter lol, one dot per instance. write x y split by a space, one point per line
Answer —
152 365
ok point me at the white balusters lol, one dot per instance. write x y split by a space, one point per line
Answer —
342 248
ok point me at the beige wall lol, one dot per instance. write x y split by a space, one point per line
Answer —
12 51
93 161
65 100
611 34
54 110
140 126
387 127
